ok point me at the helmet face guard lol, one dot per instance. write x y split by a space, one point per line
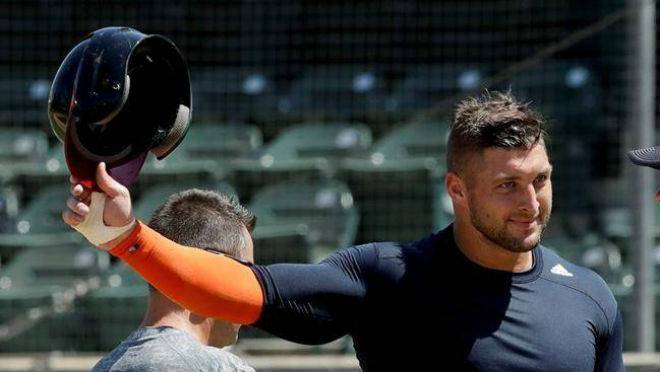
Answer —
118 95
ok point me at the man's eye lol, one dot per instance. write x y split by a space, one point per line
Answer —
506 185
542 178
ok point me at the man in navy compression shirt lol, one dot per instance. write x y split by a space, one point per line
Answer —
480 295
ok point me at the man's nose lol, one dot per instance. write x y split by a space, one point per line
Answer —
528 201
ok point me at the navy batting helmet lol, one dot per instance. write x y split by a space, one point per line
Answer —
116 96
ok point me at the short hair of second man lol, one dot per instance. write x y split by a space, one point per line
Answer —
207 220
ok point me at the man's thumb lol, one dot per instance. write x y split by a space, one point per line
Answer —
106 183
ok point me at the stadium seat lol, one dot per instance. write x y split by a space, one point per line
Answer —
399 187
232 94
8 209
34 176
335 93
41 286
618 223
565 91
177 167
436 87
40 223
121 288
221 142
324 208
569 95
308 150
23 100
22 146
281 243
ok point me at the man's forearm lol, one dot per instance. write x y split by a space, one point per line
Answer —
207 284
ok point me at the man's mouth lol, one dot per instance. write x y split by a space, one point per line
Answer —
523 223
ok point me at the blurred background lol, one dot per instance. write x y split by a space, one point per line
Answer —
329 119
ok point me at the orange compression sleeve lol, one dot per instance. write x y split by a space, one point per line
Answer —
207 284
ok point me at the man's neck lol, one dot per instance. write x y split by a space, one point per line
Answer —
161 312
482 251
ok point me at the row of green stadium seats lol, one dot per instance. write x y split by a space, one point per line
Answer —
321 210
67 297
25 152
410 155
221 151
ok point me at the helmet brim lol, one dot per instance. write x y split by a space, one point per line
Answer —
648 157
84 169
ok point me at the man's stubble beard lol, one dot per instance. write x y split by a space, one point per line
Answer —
500 236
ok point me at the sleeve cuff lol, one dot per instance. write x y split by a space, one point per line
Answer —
123 246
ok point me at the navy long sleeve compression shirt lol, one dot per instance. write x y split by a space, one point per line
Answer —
425 306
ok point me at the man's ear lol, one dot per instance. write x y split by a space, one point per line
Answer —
455 188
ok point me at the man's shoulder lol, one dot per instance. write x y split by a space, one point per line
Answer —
580 279
227 361
165 348
385 252
389 260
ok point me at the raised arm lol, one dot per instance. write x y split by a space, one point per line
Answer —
303 303
310 304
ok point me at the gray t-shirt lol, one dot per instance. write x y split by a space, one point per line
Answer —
158 349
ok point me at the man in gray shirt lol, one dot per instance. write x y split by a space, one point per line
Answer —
170 337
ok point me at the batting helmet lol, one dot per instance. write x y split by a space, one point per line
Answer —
117 95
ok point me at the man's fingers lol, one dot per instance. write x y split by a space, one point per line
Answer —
107 184
71 218
81 193
77 206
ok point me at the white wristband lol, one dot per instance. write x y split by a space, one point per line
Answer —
94 229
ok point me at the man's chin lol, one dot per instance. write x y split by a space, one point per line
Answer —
526 242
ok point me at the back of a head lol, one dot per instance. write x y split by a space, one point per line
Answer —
207 220
495 119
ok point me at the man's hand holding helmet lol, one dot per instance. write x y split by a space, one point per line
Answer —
104 218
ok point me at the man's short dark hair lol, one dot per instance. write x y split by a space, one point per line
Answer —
205 219
496 119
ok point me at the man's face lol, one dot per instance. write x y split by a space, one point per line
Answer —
509 196
224 333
